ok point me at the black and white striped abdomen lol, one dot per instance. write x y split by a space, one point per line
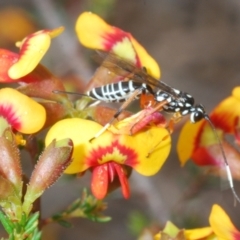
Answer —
117 92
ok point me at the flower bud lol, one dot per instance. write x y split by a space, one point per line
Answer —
53 161
44 87
10 167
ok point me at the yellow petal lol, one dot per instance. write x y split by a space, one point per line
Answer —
146 60
55 32
90 29
222 225
93 32
236 93
152 146
22 113
198 233
33 48
80 131
187 139
32 52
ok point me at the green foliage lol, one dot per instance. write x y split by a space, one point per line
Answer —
86 206
26 229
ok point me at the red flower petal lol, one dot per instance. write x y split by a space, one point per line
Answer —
7 59
99 183
123 180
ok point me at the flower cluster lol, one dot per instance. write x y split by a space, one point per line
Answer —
22 117
137 141
140 142
112 155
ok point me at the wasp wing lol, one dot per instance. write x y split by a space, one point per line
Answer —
122 67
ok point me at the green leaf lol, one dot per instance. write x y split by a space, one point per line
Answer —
36 235
103 219
31 229
32 219
7 224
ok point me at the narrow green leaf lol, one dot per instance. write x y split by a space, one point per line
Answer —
7 224
32 219
103 219
23 220
36 235
31 228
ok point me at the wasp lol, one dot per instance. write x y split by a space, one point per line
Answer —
137 82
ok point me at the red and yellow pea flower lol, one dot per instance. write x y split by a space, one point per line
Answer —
32 49
198 142
109 155
221 228
25 67
93 32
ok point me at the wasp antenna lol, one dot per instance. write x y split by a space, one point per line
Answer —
228 170
66 92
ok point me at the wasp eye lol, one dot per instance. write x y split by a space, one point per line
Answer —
197 115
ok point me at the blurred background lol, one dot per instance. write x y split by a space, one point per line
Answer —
197 45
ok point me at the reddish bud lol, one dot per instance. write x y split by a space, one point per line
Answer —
10 167
53 161
45 87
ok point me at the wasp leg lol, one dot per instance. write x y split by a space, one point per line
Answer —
119 111
176 118
153 149
151 116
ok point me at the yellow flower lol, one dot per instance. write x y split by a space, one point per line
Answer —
198 142
93 32
32 49
110 155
